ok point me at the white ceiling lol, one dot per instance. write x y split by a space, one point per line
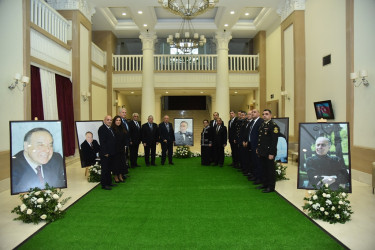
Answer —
108 16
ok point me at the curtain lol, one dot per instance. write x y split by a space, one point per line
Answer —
36 94
48 81
64 91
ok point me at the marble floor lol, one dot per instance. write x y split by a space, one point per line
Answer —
359 233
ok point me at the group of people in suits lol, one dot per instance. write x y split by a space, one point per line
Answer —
253 143
120 138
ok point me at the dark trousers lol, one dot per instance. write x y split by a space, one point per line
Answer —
269 172
257 166
234 148
166 147
150 148
106 178
205 155
134 154
218 154
243 153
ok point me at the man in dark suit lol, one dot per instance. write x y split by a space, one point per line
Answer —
232 138
37 164
125 124
252 145
213 124
245 160
167 139
89 150
219 142
267 149
107 151
135 139
150 138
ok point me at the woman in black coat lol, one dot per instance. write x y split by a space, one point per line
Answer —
119 159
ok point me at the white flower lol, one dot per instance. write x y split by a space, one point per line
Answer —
340 202
316 206
326 213
48 199
278 171
39 206
315 197
328 202
37 193
322 209
59 205
324 194
99 172
23 207
55 196
29 211
343 194
48 191
43 216
333 208
40 200
326 185
310 202
337 216
309 192
25 196
328 196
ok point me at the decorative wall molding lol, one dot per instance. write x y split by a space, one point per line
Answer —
82 5
222 39
286 7
148 40
98 76
47 50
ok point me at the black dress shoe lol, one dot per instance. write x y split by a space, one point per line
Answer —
221 165
153 164
261 187
252 179
147 164
214 164
112 185
257 182
268 190
107 188
171 163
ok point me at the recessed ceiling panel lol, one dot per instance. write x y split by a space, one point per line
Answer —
162 13
250 13
121 13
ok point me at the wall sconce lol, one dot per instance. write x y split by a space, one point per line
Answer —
85 95
19 79
285 94
115 104
362 74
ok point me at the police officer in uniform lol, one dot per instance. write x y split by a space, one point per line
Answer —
206 143
267 149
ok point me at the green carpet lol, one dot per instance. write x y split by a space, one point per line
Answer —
185 206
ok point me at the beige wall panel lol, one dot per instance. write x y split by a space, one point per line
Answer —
99 102
85 64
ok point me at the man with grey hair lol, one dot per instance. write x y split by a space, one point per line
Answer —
135 139
326 169
150 138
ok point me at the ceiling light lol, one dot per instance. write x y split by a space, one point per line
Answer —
246 14
202 92
226 25
132 92
123 13
188 8
145 25
140 12
166 92
232 12
235 92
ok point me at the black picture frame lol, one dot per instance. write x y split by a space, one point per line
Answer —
81 128
283 140
324 110
188 139
317 167
34 144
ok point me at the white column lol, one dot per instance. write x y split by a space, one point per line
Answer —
222 75
148 91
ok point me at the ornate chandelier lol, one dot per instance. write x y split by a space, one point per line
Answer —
188 8
186 39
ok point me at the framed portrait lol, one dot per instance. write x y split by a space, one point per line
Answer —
324 110
184 128
36 151
282 142
324 156
88 141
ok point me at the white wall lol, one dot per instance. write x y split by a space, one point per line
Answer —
364 58
11 54
273 57
325 25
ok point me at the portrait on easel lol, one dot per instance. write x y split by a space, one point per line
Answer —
36 155
324 156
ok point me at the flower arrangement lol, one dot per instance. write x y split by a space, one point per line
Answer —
183 152
95 173
40 205
227 153
196 154
328 205
280 171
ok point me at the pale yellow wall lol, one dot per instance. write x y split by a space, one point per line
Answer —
85 64
99 102
273 57
364 54
325 24
11 54
289 76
